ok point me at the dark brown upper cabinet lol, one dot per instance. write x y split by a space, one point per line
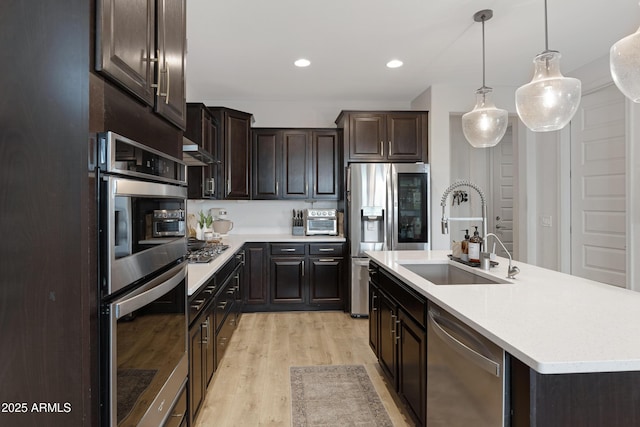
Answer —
295 164
399 136
266 166
204 172
325 164
234 134
140 45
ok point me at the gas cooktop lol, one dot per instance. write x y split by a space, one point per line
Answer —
206 254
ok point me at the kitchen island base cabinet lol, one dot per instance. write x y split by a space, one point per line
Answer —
397 335
397 314
598 399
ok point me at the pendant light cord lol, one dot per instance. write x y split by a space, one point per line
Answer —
483 60
546 29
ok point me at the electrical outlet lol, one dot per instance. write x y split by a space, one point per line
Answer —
546 220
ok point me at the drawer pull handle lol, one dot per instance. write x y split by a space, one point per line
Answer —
287 250
326 249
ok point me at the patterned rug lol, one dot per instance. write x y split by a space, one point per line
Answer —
335 395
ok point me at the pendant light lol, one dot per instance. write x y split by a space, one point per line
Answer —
624 61
485 125
550 100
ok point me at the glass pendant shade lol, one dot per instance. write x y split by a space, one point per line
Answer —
485 125
624 61
550 100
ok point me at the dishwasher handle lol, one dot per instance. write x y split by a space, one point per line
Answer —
473 356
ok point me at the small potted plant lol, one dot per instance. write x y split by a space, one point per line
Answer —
204 225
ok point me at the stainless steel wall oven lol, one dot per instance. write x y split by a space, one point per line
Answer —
143 325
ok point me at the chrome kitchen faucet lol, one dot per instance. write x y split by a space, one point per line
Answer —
443 203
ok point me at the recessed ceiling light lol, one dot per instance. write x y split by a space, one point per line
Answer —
302 63
394 63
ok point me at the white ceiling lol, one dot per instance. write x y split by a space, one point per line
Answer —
244 49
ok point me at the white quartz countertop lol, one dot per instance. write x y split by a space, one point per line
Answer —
199 274
553 322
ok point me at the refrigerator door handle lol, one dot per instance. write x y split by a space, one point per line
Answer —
389 235
348 184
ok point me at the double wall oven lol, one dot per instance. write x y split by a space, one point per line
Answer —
143 316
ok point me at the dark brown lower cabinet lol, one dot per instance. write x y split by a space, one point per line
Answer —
287 280
197 356
294 276
256 275
398 336
211 330
325 280
412 365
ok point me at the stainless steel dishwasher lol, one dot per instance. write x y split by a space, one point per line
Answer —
465 375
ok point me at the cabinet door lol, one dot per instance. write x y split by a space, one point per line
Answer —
325 280
267 154
237 154
287 279
412 366
295 164
256 274
171 37
196 372
374 318
367 132
125 44
388 337
325 165
208 347
405 136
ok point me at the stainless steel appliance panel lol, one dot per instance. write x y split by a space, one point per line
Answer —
466 375
411 197
147 341
368 200
129 256
359 287
389 209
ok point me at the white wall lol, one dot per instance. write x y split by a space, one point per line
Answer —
443 101
257 216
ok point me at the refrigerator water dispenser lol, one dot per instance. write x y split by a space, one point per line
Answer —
372 223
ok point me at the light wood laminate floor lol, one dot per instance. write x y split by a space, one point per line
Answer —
252 388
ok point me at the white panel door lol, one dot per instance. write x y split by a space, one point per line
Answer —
598 212
502 194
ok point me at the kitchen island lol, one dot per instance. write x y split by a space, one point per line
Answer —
572 343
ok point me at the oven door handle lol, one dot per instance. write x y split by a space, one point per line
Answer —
151 290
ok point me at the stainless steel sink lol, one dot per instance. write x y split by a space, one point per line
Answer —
447 274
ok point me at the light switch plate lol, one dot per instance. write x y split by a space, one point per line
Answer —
546 220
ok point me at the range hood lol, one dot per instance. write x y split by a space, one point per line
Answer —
194 155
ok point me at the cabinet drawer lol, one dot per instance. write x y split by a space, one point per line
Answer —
287 249
330 249
414 305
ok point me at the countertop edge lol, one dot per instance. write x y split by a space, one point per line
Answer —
199 274
392 262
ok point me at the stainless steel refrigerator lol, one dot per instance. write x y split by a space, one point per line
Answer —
389 209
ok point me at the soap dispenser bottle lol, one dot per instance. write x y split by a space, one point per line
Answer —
465 246
475 245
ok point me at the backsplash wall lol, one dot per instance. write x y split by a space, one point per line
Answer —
257 216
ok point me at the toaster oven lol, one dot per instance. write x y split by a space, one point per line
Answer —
321 222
